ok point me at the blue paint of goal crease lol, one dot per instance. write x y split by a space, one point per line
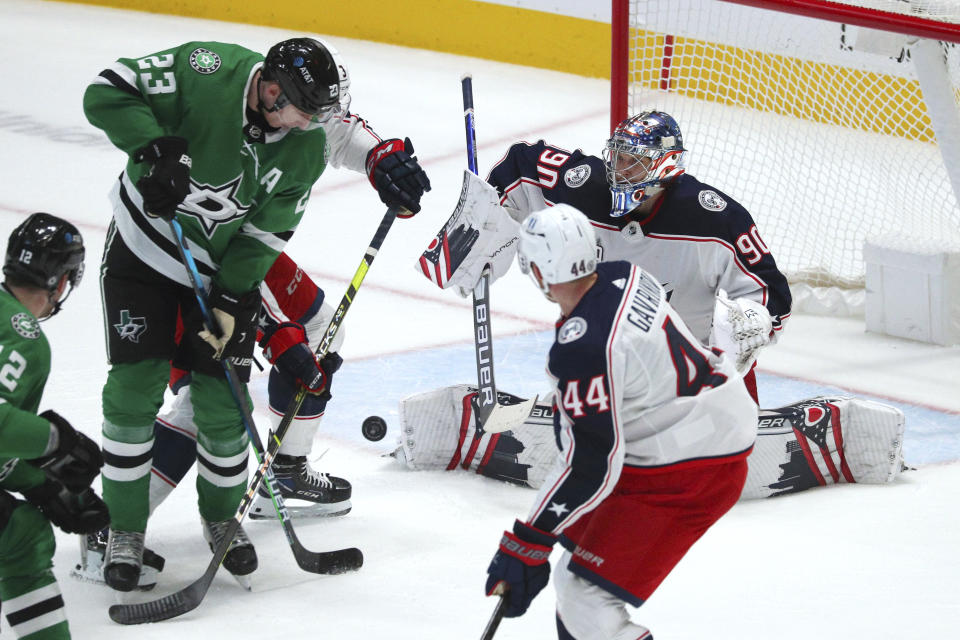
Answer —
375 386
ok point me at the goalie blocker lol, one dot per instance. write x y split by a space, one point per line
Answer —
816 442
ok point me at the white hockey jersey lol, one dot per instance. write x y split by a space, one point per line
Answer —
634 388
696 240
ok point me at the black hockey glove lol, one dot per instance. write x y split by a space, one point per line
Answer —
76 461
236 316
521 566
82 512
396 175
168 181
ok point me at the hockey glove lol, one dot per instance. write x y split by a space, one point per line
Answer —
75 460
82 512
521 566
231 312
396 175
741 328
168 181
285 345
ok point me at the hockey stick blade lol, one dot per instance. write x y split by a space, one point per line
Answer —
505 417
190 597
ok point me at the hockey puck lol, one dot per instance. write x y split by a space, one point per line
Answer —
374 428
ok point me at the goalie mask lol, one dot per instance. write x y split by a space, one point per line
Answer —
643 152
557 245
41 251
312 78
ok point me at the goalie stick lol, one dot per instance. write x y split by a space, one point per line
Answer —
330 562
490 415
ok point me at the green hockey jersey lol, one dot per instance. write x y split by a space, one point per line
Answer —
246 197
24 368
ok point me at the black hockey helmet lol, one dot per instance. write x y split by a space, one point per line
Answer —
42 250
310 73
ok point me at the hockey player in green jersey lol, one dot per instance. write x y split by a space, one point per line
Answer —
42 457
230 143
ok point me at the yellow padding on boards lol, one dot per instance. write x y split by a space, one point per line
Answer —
464 27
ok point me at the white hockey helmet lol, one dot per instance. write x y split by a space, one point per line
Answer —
559 241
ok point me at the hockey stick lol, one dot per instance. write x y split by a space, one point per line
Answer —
337 320
495 617
307 560
190 597
490 415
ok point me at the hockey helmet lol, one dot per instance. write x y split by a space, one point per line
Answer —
41 251
644 151
312 77
560 241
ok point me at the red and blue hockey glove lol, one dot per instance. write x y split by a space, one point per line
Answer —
285 345
168 181
521 566
396 175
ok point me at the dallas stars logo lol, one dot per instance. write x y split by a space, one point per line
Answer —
212 206
130 328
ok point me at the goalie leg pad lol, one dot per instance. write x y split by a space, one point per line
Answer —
438 432
824 440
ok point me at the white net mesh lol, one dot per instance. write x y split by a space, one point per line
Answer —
940 10
819 129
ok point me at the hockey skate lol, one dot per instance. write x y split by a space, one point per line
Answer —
123 560
93 547
306 493
241 558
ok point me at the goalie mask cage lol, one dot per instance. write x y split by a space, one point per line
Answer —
831 122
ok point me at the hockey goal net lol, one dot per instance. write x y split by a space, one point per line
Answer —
829 121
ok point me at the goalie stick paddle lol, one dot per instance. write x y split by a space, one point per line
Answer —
490 416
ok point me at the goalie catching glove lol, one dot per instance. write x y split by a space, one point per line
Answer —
285 345
479 233
397 176
741 328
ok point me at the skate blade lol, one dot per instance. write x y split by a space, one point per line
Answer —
243 581
96 577
309 510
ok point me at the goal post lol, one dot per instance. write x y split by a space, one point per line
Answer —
829 120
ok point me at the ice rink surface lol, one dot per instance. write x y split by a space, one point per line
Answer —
847 562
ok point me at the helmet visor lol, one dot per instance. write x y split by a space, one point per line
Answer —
294 116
